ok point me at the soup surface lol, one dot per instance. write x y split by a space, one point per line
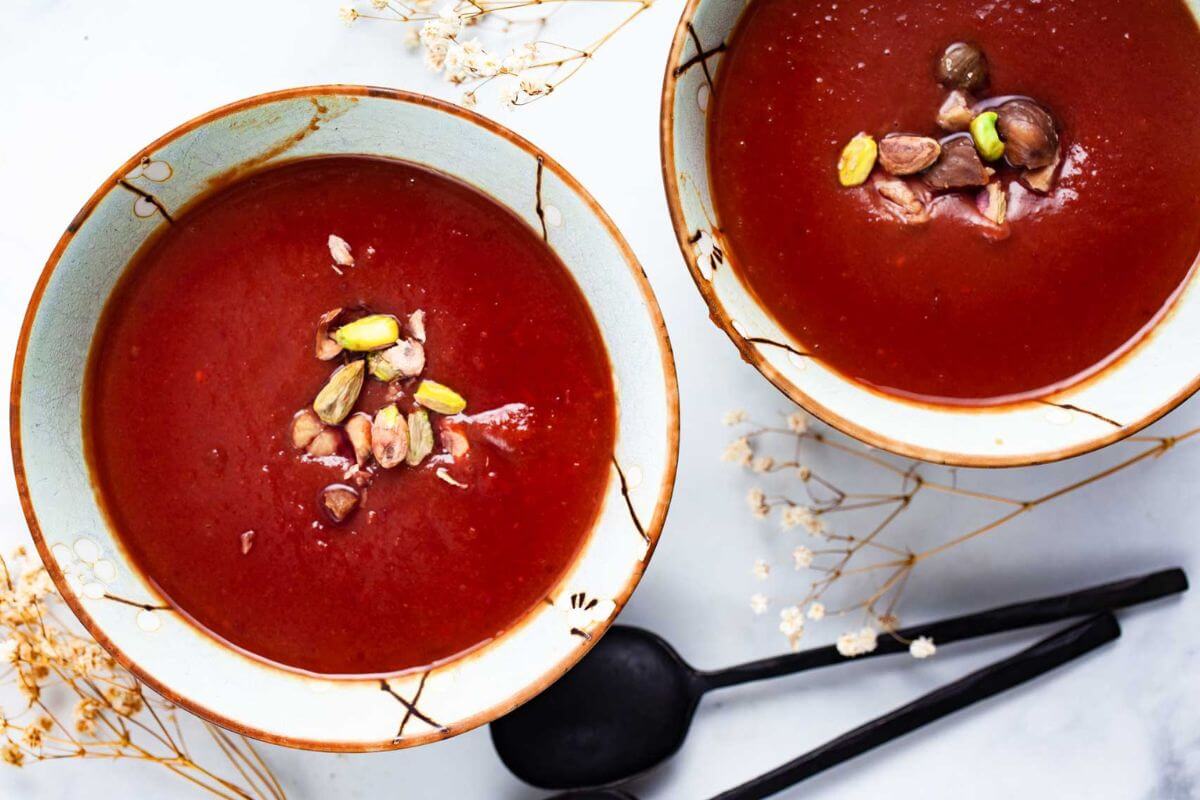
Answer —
206 352
947 311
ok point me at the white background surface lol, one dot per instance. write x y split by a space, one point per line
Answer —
88 83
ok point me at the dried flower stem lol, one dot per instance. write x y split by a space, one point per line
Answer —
45 661
825 498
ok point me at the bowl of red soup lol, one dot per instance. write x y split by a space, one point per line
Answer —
962 232
344 418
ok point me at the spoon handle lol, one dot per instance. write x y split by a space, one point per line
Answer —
1043 657
1105 597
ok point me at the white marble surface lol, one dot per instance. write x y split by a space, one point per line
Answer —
88 83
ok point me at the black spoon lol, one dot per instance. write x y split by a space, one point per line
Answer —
628 704
1046 655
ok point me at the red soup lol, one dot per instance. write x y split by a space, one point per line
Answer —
1041 263
383 493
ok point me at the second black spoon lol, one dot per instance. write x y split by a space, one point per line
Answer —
628 704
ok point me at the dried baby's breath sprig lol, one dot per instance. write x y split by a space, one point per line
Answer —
47 668
835 555
532 69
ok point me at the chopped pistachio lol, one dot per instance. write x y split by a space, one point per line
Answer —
955 115
327 348
339 251
372 332
439 398
995 203
455 442
420 437
327 443
334 401
857 161
445 475
339 501
404 359
306 426
987 140
389 437
358 429
416 325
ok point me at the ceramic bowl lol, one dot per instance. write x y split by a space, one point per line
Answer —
1137 389
121 608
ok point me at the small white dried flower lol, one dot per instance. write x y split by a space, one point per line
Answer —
347 14
520 58
797 422
535 87
379 5
802 557
801 517
922 647
738 452
761 570
757 500
762 464
791 621
857 643
735 417
469 100
509 95
339 250
759 603
816 611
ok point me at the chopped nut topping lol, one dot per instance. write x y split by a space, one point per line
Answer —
455 442
416 324
439 398
995 202
372 332
306 425
327 443
1042 179
358 430
955 115
962 66
404 359
327 347
902 154
899 192
339 501
958 167
857 160
445 475
983 133
389 437
247 539
339 250
1029 134
420 437
334 401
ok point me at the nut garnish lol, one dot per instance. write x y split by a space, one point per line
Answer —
247 540
339 250
404 359
389 437
955 114
899 192
416 324
327 443
445 475
857 160
958 167
1029 133
372 332
455 442
439 398
339 501
904 154
358 430
983 133
327 348
334 401
962 66
995 203
306 425
420 437
1042 178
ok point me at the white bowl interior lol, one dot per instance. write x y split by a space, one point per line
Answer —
1160 372
126 614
